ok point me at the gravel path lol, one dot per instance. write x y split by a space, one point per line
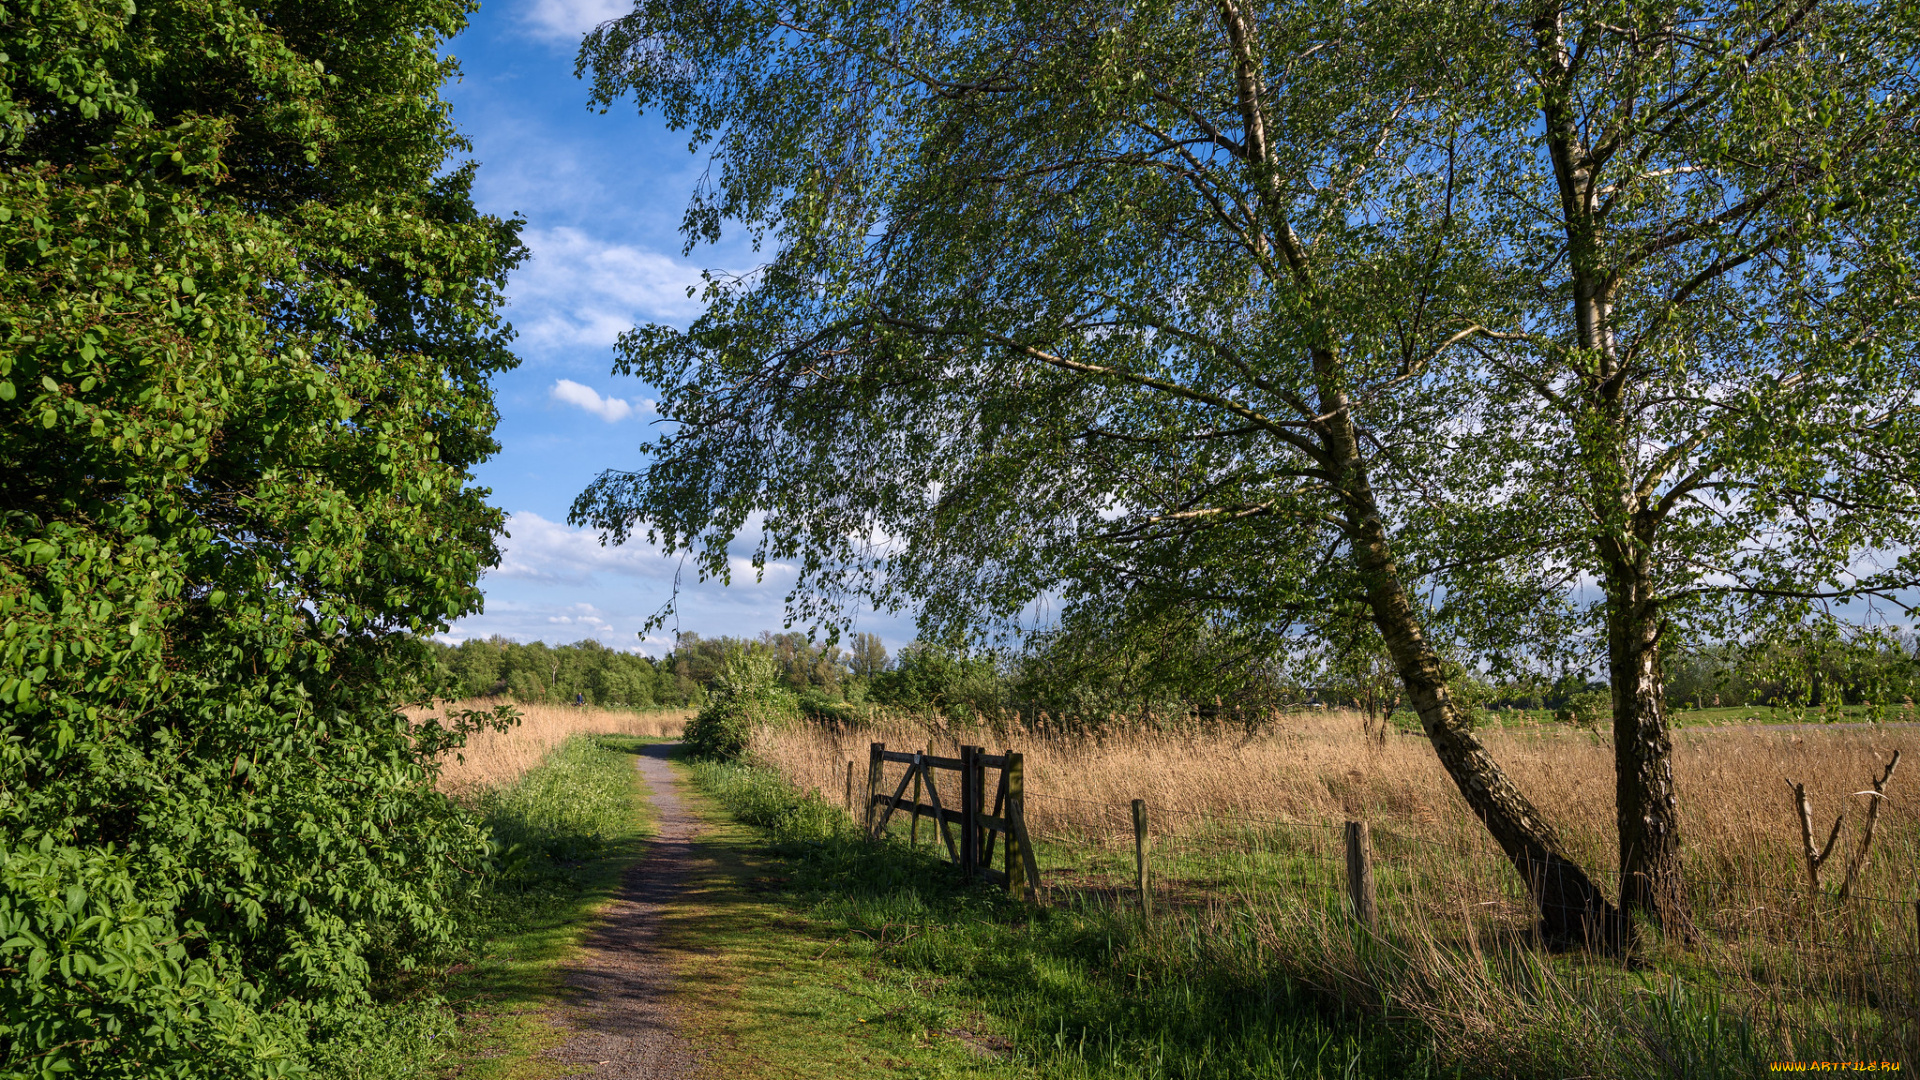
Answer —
619 988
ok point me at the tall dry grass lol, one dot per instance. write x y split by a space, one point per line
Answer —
1247 833
1318 768
495 759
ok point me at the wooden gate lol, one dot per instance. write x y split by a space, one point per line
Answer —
980 829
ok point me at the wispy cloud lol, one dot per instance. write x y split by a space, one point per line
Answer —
611 409
569 20
559 584
548 552
581 293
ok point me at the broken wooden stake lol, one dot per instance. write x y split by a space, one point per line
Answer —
1879 794
1816 856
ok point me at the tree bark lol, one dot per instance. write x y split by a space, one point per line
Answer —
1646 806
1574 913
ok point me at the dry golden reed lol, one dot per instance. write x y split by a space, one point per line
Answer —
498 758
1807 972
1319 768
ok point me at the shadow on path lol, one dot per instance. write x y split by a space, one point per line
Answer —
620 988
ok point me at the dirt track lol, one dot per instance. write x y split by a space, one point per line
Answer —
620 988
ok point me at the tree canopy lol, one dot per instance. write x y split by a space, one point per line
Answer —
1284 321
1703 359
248 326
1151 309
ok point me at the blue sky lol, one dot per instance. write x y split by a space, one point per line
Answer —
603 197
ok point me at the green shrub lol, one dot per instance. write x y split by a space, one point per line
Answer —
1587 709
822 708
932 676
744 696
248 328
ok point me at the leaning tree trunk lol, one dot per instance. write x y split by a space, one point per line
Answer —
1646 805
1574 913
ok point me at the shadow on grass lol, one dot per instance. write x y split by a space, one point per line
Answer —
567 832
1064 991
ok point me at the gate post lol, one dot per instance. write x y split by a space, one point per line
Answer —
980 806
1016 869
874 766
919 767
969 812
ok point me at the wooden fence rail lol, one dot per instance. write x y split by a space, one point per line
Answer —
981 829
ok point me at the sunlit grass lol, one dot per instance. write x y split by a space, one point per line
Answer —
1247 840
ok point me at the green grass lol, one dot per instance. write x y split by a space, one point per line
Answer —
769 990
1250 967
1764 714
908 955
571 826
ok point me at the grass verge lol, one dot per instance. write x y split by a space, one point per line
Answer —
1257 982
877 955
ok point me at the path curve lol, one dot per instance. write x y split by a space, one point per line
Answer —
620 987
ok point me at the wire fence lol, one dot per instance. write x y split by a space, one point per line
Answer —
1462 886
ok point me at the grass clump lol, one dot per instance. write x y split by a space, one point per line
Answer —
566 809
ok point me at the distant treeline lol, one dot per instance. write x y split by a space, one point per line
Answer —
832 682
591 673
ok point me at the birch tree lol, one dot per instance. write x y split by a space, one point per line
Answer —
1708 229
1130 304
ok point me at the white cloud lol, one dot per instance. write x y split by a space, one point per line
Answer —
580 293
549 552
570 20
559 624
558 584
611 409
538 550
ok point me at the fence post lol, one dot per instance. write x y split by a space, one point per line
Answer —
849 787
875 765
1016 868
919 767
969 808
1360 872
1140 855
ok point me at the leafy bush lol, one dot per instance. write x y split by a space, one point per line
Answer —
743 696
931 676
250 326
1586 709
824 709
